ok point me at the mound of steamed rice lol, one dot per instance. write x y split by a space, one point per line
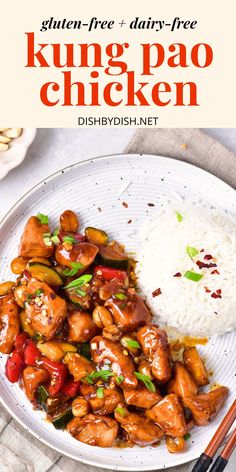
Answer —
201 308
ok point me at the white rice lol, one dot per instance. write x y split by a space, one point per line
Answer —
183 303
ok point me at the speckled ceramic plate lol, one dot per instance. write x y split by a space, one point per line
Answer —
96 190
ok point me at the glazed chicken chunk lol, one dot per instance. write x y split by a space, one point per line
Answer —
155 346
32 241
9 323
141 397
129 313
169 415
45 310
140 430
94 430
182 383
106 404
205 406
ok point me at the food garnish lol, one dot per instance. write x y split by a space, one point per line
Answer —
194 276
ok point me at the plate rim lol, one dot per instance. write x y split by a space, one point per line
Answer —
8 215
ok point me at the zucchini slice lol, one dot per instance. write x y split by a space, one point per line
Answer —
45 274
96 236
113 255
42 396
60 421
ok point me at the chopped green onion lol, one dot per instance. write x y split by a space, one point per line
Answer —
82 293
69 239
121 296
46 235
187 436
121 411
99 374
194 276
47 241
56 232
179 216
39 292
132 343
191 251
29 298
100 392
75 266
37 336
79 282
42 218
55 240
120 379
146 380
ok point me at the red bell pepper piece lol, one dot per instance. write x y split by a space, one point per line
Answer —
58 372
107 273
31 353
20 342
70 388
14 366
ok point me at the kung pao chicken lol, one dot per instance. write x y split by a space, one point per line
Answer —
82 344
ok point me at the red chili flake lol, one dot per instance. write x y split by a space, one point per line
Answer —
202 250
156 292
208 257
178 274
202 265
125 204
207 290
99 209
215 271
130 221
216 294
151 204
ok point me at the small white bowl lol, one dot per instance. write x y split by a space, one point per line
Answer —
16 152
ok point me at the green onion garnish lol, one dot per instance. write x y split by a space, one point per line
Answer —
55 240
39 292
99 374
191 251
82 293
179 216
194 276
79 282
132 343
146 380
187 436
69 239
100 392
75 266
42 218
121 296
120 379
121 411
56 232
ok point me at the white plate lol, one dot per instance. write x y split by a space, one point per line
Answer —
17 151
85 187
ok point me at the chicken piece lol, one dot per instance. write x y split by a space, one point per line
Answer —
130 313
81 327
168 414
182 383
84 253
9 323
32 243
105 405
206 406
141 430
44 312
156 348
141 397
94 430
32 377
103 350
78 365
195 366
